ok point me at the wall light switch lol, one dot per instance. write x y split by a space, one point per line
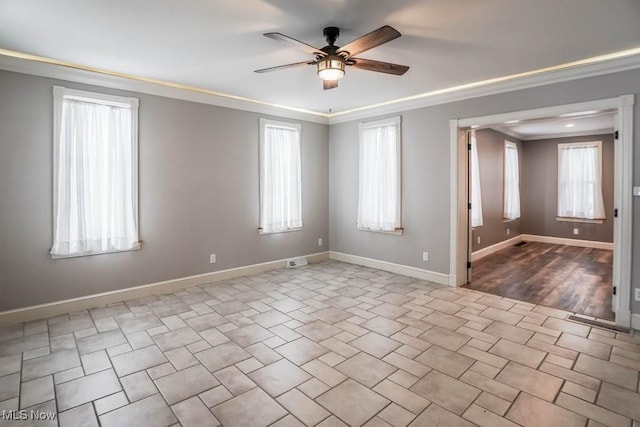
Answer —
478 239
636 191
508 231
637 294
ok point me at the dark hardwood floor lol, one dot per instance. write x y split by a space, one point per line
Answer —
565 277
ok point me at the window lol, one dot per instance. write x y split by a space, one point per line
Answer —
476 193
580 180
379 176
95 186
280 177
511 182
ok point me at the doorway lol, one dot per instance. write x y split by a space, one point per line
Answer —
461 234
521 246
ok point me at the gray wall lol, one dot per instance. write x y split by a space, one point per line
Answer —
426 171
198 191
425 196
494 229
540 190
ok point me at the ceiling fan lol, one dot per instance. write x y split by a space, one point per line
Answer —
331 59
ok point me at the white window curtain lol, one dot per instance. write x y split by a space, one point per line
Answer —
476 193
280 177
580 180
379 205
95 173
511 181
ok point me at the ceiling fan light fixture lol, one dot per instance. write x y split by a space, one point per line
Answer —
331 67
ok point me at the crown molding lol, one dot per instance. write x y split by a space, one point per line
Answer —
46 67
595 132
590 67
509 132
556 135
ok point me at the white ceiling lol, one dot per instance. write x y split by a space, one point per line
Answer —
583 123
217 44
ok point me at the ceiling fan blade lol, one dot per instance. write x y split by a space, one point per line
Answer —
378 66
329 84
295 43
282 67
371 40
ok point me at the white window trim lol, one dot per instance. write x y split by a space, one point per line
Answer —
297 126
61 92
288 230
598 145
396 121
582 220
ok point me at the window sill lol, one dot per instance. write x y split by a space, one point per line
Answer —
506 220
288 230
582 220
396 232
137 247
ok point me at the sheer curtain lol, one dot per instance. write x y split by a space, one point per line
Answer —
511 181
379 176
580 181
281 189
95 190
476 193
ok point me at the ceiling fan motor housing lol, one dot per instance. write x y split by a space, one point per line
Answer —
331 34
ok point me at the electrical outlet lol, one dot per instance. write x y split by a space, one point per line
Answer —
508 231
212 258
425 256
319 241
576 231
478 239
637 294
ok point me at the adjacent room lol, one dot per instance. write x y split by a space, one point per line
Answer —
284 213
547 237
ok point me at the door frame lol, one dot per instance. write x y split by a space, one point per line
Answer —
459 221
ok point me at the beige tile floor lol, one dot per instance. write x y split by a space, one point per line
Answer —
329 344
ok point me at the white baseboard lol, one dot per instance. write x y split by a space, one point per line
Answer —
567 242
43 311
634 321
481 253
405 270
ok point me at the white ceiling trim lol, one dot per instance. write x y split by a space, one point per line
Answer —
46 67
599 65
516 135
52 68
569 134
510 132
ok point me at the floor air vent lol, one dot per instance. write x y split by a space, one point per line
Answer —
520 244
296 262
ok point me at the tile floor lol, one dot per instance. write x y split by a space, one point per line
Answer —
328 344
